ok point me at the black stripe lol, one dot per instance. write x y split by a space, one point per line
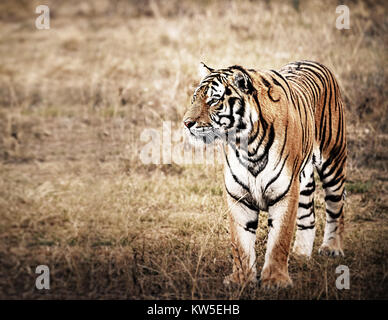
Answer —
330 121
310 184
332 183
339 186
235 178
282 195
302 227
271 138
333 215
305 205
284 145
307 192
281 77
266 83
237 199
251 226
340 165
257 167
277 176
333 198
306 215
322 136
279 85
336 153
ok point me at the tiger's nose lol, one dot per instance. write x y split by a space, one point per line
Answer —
189 123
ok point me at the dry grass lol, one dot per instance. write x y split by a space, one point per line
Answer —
73 192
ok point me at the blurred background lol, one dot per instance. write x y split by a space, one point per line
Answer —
75 98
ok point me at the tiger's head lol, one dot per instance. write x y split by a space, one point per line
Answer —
220 105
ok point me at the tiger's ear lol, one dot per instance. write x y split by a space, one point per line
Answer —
243 82
204 70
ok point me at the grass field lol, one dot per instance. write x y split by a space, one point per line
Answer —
75 99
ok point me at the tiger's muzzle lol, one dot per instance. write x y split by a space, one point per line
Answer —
201 131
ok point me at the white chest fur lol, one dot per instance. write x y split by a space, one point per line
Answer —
259 189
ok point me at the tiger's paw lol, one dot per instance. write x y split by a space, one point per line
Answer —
330 251
275 280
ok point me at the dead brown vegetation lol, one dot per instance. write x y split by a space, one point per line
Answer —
73 192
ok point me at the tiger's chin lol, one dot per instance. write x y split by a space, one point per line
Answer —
202 138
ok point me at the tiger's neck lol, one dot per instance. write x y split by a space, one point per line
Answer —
251 146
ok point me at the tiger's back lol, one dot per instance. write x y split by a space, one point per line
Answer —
319 86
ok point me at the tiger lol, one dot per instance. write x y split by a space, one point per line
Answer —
275 128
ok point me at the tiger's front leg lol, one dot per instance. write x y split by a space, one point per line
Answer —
281 221
243 224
